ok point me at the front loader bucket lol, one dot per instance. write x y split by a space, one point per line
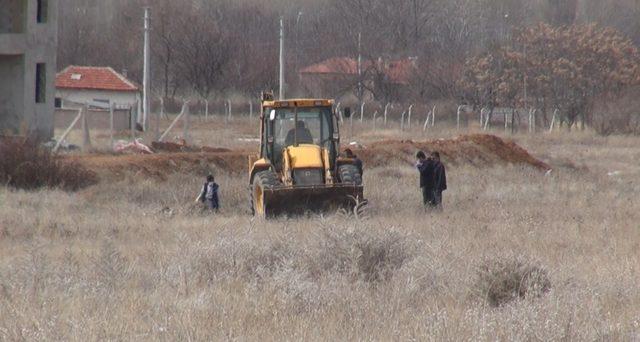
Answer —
296 200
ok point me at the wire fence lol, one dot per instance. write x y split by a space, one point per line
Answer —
114 125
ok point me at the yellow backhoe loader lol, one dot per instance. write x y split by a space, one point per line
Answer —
298 168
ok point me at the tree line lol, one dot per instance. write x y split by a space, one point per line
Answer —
213 47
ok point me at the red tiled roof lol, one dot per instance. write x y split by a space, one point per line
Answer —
98 78
400 71
397 71
336 65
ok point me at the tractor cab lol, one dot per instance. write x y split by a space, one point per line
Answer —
292 125
298 168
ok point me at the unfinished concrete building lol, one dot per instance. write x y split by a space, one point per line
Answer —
28 40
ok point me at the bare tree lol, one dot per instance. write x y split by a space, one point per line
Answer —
204 51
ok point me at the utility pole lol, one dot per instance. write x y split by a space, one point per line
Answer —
525 76
145 77
360 68
281 92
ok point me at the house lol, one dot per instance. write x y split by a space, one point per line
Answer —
28 43
330 78
98 87
336 76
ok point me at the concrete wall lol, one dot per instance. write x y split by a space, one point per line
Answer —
12 16
71 98
11 95
97 119
32 42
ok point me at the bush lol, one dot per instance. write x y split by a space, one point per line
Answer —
361 254
24 164
352 254
501 281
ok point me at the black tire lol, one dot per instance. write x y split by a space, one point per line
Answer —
262 180
349 174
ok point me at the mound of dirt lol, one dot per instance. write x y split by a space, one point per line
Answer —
479 150
176 147
160 165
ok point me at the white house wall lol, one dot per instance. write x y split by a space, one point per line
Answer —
72 97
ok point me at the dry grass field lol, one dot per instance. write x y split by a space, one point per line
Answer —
135 259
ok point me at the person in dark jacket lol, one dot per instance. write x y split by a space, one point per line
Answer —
357 162
439 179
425 167
301 133
209 194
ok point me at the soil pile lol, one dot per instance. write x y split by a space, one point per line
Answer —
159 146
481 150
160 165
477 150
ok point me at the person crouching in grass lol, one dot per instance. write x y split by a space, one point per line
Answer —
209 194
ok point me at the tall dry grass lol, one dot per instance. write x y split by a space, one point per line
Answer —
138 260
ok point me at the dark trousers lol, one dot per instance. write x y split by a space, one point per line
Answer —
428 197
213 205
437 199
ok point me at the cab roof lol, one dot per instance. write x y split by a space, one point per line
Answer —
298 103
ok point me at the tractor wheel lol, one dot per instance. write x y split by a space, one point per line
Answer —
349 174
262 180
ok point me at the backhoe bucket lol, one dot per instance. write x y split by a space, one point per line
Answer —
296 200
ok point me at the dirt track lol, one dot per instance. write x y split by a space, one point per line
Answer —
476 150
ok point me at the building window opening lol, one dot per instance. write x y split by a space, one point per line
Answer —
41 83
58 102
43 9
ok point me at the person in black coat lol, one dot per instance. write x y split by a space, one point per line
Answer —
356 161
425 167
439 179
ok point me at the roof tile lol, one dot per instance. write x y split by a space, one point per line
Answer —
98 78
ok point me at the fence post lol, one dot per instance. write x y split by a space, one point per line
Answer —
186 122
530 120
138 114
362 111
409 117
487 120
229 110
159 116
339 113
206 110
402 121
553 120
111 125
250 109
458 117
375 115
482 117
433 116
506 124
351 126
533 121
184 106
426 122
66 132
86 138
386 111
133 124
